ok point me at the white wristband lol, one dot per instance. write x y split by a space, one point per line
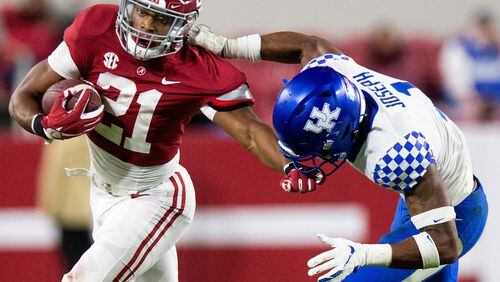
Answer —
428 250
378 254
246 48
434 216
33 122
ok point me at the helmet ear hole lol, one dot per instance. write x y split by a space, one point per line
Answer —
326 94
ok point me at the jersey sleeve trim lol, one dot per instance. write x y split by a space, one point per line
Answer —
405 163
238 98
61 62
209 112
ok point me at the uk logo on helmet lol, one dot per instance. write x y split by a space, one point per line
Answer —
325 119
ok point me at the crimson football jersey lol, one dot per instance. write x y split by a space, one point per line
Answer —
147 103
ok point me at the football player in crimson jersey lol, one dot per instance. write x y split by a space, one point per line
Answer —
151 84
336 111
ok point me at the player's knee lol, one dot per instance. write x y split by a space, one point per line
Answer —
80 274
67 278
75 275
96 264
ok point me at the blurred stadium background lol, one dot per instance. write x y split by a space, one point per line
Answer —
246 229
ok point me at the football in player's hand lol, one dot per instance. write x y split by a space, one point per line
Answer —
76 87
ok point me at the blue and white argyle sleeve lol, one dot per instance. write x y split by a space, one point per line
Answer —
327 60
405 163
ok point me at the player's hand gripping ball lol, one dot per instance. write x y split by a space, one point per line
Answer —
71 108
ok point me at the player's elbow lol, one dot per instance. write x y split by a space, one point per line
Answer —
446 240
450 252
252 131
11 108
449 248
319 46
13 105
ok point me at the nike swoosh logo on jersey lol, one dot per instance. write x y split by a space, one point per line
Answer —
164 81
175 6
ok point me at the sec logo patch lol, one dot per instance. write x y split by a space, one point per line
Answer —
111 60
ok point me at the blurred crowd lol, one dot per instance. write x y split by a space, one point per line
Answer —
29 31
460 73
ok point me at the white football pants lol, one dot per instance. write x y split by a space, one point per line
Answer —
135 235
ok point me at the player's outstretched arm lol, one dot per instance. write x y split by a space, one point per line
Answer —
436 244
24 103
284 47
246 128
293 48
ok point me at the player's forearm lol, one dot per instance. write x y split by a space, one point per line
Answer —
247 129
285 47
406 254
436 246
432 213
263 144
293 47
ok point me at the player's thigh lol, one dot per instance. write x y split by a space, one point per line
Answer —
158 234
443 273
448 274
472 214
135 233
127 244
164 270
379 274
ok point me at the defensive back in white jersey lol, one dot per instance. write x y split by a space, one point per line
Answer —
407 133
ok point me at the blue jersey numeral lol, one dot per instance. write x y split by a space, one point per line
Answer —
403 87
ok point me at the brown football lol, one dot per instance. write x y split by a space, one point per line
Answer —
57 89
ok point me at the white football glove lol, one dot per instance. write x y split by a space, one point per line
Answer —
345 258
201 35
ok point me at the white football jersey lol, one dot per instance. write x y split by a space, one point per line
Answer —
407 133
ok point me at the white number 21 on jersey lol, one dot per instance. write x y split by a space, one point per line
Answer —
147 100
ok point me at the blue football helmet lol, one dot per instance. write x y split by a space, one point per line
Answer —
316 118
